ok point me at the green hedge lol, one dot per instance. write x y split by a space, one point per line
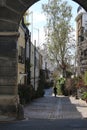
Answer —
84 96
26 93
39 92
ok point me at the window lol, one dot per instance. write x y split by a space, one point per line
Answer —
21 55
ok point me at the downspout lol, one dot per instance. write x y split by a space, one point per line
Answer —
25 57
29 58
34 62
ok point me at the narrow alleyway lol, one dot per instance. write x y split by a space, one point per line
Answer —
50 113
49 107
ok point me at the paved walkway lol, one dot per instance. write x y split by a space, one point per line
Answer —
49 107
80 105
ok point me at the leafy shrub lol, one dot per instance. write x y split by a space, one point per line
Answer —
84 96
60 84
39 92
47 84
26 93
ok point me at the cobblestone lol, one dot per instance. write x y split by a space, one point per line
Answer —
50 107
60 107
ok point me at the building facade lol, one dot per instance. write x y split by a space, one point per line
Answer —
29 59
32 64
81 35
36 66
21 56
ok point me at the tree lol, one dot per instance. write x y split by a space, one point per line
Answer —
58 32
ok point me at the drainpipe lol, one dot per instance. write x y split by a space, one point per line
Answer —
29 58
25 58
34 62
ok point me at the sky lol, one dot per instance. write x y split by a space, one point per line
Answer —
38 21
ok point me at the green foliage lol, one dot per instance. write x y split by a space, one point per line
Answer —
85 78
60 85
84 96
28 63
68 74
40 89
47 85
74 82
58 31
26 93
59 91
39 92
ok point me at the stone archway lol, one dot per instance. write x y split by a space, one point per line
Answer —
11 13
83 3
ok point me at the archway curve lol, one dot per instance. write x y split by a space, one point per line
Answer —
11 12
83 3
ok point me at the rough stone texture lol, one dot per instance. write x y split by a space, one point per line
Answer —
8 74
7 109
8 65
9 105
9 100
11 12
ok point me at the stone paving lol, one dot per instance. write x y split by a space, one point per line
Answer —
80 105
50 107
60 107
